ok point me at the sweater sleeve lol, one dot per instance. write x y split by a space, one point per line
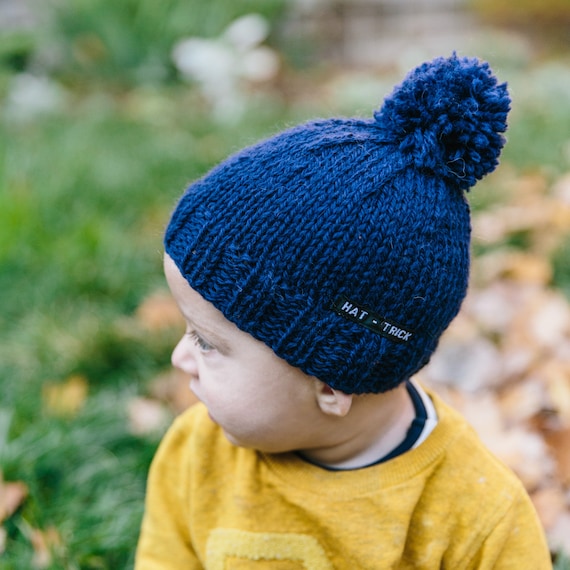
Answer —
516 542
164 542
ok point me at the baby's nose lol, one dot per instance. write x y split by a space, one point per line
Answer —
183 356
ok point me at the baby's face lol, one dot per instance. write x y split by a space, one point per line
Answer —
258 399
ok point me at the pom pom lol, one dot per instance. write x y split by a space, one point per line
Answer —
447 116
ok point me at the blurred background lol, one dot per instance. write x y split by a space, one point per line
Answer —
109 109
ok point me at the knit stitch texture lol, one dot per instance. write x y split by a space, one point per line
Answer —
368 210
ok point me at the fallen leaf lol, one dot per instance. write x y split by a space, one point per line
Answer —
526 453
65 399
556 377
506 220
12 495
494 307
44 544
495 224
541 322
522 400
512 265
549 504
3 537
550 323
560 216
559 534
158 312
147 416
489 227
172 387
482 411
527 268
559 443
543 216
518 361
469 364
529 188
561 189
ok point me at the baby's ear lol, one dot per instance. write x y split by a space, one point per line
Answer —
332 402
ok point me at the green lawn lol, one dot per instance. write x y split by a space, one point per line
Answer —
84 197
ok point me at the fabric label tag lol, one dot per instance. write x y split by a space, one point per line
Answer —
362 316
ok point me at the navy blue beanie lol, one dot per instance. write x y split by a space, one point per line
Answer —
343 244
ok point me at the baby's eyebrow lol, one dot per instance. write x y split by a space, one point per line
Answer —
211 337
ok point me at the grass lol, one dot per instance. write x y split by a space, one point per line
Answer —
85 479
84 196
540 119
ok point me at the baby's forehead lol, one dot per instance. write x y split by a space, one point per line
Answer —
200 313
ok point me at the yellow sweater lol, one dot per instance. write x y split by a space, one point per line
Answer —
448 504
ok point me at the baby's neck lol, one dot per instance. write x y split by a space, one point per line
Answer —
376 424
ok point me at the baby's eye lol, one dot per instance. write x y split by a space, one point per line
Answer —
202 344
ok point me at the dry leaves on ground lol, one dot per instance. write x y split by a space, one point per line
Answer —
65 399
12 496
158 312
504 363
44 543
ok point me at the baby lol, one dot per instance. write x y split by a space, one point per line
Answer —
316 272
